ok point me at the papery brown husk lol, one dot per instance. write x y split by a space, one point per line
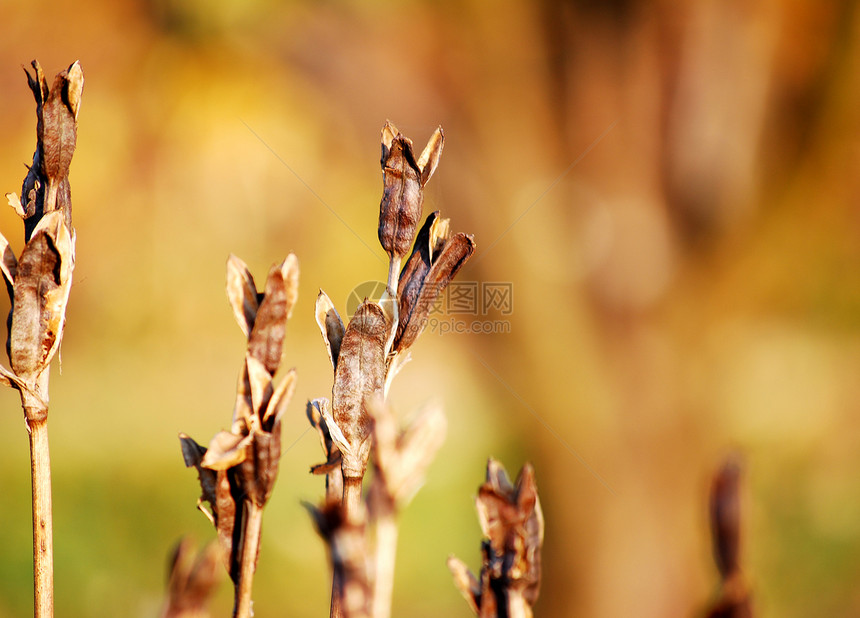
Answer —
360 375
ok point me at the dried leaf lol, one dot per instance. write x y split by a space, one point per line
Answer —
8 263
226 450
265 343
331 326
242 293
193 454
8 378
332 466
337 437
15 203
466 582
360 374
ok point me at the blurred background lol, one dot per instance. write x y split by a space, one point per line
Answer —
671 190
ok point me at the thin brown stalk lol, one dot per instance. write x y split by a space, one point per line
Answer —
336 610
352 497
250 547
43 543
352 506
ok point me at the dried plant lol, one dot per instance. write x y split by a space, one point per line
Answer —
192 579
238 470
733 598
366 354
513 526
38 283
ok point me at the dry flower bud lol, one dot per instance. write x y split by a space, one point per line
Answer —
403 181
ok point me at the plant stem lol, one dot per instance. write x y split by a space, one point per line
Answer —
352 497
351 506
36 418
43 543
385 556
393 275
250 548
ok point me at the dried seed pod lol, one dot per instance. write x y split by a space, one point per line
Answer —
266 340
360 375
239 468
434 262
512 520
46 187
403 181
41 288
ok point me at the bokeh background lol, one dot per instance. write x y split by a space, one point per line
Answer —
671 189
